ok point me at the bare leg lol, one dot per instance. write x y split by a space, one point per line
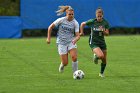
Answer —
98 52
64 59
104 60
101 54
64 62
73 54
103 64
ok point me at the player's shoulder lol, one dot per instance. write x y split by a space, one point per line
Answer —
61 18
106 23
91 20
75 21
105 20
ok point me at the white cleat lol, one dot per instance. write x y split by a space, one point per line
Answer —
61 68
101 75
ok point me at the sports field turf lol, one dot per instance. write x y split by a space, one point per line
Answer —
29 65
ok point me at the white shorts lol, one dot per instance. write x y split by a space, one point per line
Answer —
63 49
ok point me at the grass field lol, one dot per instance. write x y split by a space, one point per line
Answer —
31 66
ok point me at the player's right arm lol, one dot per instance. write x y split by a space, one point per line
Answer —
49 33
83 24
54 24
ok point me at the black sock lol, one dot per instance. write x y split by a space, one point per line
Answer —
102 68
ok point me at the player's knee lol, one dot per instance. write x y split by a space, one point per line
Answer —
74 58
101 56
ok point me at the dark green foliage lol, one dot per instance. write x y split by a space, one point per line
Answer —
113 31
124 30
9 7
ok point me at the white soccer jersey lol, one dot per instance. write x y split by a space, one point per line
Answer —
66 30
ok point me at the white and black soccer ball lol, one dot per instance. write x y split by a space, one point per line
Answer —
78 74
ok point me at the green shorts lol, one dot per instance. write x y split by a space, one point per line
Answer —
102 47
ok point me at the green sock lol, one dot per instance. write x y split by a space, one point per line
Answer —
102 68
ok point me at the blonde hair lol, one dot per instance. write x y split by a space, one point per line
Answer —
99 10
63 9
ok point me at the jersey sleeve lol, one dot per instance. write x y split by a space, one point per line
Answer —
58 21
76 26
107 26
89 22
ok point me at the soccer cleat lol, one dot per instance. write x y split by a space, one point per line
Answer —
61 68
101 75
95 59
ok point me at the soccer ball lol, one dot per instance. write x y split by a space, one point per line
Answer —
78 74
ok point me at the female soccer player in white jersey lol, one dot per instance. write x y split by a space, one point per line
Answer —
67 36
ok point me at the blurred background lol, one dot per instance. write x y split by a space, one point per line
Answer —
31 18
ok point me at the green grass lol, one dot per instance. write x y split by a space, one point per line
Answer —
31 66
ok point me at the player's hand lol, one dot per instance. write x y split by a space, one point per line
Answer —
81 34
73 42
48 41
103 29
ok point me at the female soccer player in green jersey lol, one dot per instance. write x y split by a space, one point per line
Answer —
99 27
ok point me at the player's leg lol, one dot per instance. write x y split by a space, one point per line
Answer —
73 53
98 54
63 52
101 54
64 62
103 64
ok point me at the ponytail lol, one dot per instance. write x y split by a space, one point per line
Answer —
63 9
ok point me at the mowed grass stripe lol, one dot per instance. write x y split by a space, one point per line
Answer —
31 66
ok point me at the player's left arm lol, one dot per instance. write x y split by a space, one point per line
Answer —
77 37
106 30
77 34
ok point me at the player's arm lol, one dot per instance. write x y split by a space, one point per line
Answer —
106 32
77 37
83 24
49 33
55 23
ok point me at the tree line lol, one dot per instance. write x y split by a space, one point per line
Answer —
9 7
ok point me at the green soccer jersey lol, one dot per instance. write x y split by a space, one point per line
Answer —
97 36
